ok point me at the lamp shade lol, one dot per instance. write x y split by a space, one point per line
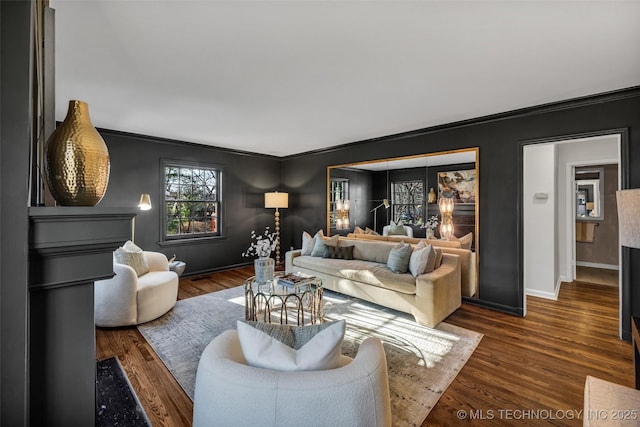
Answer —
145 202
276 200
629 217
386 204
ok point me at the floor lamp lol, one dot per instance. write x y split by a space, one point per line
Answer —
385 203
144 205
278 201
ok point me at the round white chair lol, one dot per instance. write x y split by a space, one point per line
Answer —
127 299
230 393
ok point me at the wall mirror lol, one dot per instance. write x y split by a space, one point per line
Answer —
371 194
589 186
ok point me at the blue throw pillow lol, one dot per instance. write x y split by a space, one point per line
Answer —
398 260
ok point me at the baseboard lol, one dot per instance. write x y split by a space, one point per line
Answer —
597 265
543 294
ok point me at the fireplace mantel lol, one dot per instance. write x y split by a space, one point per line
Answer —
69 248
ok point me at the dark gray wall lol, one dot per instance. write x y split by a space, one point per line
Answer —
136 169
499 139
15 139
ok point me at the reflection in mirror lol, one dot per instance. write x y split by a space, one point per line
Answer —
589 185
389 196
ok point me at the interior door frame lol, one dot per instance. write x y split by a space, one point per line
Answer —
623 173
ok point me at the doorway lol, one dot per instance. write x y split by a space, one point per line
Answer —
549 208
595 250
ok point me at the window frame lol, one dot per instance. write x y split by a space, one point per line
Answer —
395 205
219 171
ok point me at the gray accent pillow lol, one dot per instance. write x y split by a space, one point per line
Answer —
399 258
320 244
338 252
397 229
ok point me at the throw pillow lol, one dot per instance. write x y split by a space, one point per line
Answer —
321 243
367 230
358 230
308 242
338 252
397 229
399 256
292 348
131 255
423 259
438 261
465 241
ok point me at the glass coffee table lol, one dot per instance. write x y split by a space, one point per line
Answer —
276 302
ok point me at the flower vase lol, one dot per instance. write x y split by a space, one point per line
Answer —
264 268
430 234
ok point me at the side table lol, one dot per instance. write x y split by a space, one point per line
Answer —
274 302
178 267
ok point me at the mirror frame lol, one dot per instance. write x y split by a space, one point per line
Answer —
597 194
476 150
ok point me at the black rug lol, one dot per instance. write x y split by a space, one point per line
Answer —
116 403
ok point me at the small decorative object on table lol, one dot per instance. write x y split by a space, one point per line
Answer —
262 246
430 225
279 301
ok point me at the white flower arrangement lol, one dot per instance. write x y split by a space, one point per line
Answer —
263 245
432 222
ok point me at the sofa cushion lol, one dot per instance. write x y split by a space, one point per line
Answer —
399 257
292 348
369 272
370 250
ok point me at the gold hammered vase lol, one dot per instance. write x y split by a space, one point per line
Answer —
77 160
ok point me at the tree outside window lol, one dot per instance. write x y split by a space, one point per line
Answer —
408 201
191 201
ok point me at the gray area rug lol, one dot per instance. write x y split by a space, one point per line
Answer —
422 362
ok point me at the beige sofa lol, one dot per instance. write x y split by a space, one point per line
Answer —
467 257
429 297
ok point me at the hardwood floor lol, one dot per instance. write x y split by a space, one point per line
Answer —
522 365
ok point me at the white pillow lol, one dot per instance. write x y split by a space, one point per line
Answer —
292 348
308 242
422 259
131 255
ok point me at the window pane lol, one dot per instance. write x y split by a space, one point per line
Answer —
191 201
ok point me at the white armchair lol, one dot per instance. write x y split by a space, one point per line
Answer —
407 229
230 393
127 299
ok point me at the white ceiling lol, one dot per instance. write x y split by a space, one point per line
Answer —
285 77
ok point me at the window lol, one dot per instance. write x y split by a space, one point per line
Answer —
339 193
191 201
408 201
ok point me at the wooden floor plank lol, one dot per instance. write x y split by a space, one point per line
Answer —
522 365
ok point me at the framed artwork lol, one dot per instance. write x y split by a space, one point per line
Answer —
459 185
